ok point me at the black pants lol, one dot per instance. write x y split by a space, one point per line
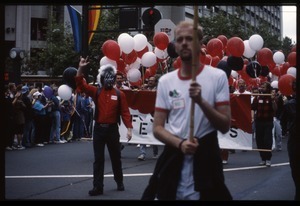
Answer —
106 135
294 157
264 138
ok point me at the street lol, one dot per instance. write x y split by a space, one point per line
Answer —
64 172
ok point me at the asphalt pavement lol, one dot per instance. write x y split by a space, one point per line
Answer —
64 172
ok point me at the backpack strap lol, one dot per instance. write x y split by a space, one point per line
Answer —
119 104
96 103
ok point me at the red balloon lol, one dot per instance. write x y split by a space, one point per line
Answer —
129 58
121 66
264 56
223 39
161 40
292 59
208 59
294 48
111 49
142 52
235 46
177 63
215 61
276 71
284 67
214 47
285 84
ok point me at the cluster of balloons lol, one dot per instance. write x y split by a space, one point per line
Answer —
250 61
246 59
129 53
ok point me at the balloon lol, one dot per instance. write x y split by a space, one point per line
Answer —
248 52
264 71
284 67
253 69
64 92
256 42
278 57
234 74
214 47
111 49
161 40
274 84
171 50
148 59
285 84
121 66
161 54
133 75
140 42
292 71
292 58
142 52
224 66
126 43
105 60
264 56
129 58
235 63
69 77
235 46
223 39
215 61
48 92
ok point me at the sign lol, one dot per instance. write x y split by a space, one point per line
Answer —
167 26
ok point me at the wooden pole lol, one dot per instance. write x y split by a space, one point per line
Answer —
195 63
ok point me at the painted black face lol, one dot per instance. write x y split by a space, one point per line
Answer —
108 78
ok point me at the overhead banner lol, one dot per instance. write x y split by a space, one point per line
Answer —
238 137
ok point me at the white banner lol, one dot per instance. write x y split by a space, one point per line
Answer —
142 133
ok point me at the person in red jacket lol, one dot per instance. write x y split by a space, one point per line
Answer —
109 108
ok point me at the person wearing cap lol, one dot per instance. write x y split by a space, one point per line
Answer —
40 120
110 104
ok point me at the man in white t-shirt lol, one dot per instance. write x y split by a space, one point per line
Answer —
190 169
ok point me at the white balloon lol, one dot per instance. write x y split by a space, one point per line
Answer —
278 57
121 36
292 71
64 92
256 42
161 54
248 52
105 60
136 64
126 43
140 42
133 75
234 74
148 59
150 47
274 84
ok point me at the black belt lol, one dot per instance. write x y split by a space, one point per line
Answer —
105 125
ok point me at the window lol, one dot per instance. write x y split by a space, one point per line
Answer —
38 29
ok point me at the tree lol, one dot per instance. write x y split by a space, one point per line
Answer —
59 53
286 46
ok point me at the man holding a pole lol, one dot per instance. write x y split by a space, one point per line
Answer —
190 167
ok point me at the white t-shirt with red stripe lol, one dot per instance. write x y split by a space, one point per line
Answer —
173 97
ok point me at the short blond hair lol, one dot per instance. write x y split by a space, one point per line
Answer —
190 24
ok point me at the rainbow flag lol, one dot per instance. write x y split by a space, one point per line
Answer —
76 22
94 16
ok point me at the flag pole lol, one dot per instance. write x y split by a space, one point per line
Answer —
195 63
